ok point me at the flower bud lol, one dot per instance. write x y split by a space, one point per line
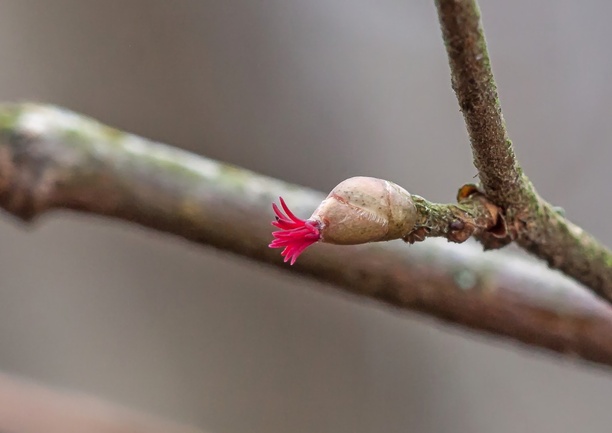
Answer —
356 211
365 209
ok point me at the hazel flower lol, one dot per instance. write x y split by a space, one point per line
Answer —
358 210
296 234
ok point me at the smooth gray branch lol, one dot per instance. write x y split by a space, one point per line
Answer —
51 158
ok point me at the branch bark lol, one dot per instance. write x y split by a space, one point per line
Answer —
51 158
534 224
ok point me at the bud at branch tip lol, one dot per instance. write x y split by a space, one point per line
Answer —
358 210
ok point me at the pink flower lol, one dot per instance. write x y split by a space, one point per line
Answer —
295 235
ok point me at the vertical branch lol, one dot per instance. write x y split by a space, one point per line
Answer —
532 222
473 82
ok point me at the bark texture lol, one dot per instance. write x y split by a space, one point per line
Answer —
532 222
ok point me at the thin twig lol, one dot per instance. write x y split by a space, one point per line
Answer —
533 222
55 159
473 216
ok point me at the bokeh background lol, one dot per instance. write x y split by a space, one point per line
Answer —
313 92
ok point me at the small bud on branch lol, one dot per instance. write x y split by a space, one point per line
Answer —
365 209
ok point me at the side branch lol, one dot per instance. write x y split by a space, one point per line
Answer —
474 215
532 222
54 159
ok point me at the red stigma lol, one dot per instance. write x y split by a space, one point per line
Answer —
295 234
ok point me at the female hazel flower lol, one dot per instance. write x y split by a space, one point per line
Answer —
358 210
295 235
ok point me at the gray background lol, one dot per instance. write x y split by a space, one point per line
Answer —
312 91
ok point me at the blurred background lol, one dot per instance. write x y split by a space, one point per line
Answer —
312 92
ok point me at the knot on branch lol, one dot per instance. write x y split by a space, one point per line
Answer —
491 229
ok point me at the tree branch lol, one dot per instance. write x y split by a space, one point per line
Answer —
51 158
533 223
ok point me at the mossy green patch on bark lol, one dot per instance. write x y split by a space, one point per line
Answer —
9 116
233 176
